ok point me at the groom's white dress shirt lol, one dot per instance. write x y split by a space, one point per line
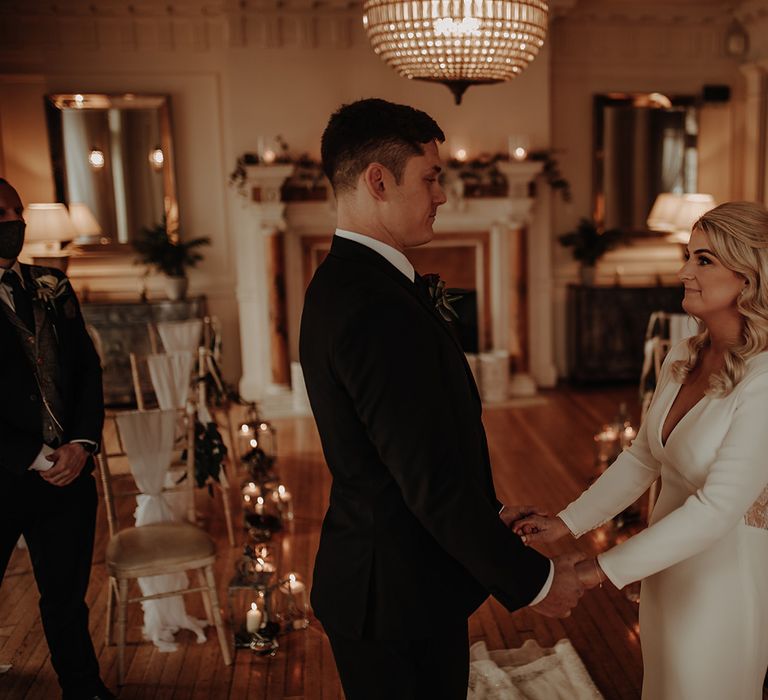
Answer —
399 261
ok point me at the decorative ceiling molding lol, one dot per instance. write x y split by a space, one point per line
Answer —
178 26
654 12
206 25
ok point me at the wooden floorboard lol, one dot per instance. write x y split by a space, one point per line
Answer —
543 453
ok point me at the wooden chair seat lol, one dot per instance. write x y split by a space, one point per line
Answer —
160 548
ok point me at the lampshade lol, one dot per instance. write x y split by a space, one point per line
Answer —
456 42
48 223
663 212
689 211
88 229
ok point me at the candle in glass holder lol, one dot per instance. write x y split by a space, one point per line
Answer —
253 619
259 507
285 501
295 610
627 435
518 147
607 444
250 489
295 587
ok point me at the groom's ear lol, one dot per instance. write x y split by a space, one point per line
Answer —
374 179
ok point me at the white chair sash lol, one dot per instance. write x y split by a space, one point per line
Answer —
148 438
180 335
171 374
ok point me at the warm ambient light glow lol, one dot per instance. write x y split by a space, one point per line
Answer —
156 158
96 159
88 229
456 42
675 214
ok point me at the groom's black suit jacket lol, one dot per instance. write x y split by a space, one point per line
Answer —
412 539
80 373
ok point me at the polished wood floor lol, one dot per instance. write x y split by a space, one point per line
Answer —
542 453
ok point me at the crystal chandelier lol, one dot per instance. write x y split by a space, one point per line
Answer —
456 42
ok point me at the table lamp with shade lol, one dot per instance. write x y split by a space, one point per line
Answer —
663 212
86 226
48 226
693 206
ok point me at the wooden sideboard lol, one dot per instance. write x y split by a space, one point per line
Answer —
606 329
122 329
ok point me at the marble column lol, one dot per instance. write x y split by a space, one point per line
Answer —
260 220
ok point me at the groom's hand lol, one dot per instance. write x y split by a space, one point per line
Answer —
566 588
511 514
68 461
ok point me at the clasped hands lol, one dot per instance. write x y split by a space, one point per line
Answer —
68 461
574 573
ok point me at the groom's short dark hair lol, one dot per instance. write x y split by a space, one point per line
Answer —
373 131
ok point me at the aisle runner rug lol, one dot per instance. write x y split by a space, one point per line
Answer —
529 673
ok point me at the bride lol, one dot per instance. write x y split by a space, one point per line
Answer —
703 560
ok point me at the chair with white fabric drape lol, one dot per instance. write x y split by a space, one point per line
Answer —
180 335
159 550
171 375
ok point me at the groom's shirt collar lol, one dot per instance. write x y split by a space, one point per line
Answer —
391 255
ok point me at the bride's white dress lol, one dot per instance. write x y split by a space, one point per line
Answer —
703 559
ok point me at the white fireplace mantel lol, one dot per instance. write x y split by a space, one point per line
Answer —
500 217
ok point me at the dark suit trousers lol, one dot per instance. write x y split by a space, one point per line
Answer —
58 524
408 669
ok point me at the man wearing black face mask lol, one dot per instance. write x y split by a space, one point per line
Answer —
50 425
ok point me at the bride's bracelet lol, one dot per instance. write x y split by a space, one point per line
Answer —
598 572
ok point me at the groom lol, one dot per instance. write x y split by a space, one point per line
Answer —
50 424
414 539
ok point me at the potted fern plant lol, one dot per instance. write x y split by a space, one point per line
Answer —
172 258
590 244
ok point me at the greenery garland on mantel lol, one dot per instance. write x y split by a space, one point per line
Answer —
480 176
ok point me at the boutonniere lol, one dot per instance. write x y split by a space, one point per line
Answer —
442 300
49 288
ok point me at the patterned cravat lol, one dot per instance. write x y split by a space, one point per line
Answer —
21 300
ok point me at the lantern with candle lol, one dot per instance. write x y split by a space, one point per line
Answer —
262 517
284 501
254 627
293 608
257 565
256 434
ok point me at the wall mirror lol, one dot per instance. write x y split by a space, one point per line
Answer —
644 144
114 153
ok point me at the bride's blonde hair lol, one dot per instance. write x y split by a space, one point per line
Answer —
738 236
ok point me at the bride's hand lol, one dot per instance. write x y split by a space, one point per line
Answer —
511 514
589 572
538 529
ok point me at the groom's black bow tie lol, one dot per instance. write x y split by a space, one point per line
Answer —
21 301
422 287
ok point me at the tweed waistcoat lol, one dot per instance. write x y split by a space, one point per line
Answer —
41 349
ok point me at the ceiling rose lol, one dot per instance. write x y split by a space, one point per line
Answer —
456 42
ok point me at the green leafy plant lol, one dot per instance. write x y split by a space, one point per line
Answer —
210 453
551 172
589 243
156 248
